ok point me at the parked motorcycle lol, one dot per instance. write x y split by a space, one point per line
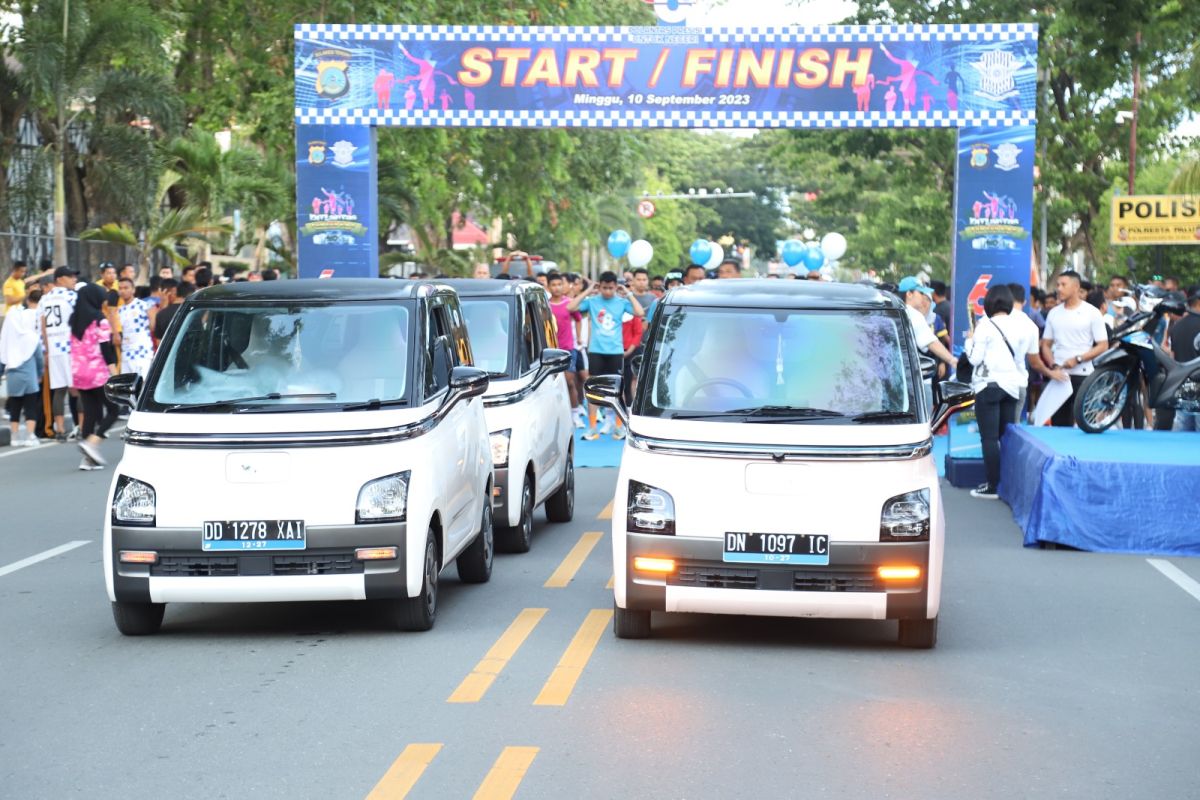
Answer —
1137 367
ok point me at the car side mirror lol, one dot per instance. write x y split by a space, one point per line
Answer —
928 367
468 381
123 389
951 398
555 361
605 390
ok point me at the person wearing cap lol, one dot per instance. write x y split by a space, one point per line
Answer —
918 301
1185 346
672 280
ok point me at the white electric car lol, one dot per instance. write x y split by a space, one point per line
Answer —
527 406
302 440
779 461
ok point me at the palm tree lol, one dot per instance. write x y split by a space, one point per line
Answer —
1187 180
67 50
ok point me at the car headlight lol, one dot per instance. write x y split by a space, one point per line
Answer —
383 499
905 518
500 440
133 502
650 510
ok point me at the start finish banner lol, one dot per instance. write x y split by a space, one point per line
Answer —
845 76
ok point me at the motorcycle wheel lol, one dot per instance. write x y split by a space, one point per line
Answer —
1101 399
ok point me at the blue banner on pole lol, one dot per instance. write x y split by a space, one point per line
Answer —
993 227
337 201
828 77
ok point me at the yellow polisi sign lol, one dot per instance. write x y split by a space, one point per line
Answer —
1156 219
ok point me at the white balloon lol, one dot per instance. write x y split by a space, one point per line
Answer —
640 253
834 246
718 255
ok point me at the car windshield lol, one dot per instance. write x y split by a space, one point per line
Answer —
281 357
488 322
779 366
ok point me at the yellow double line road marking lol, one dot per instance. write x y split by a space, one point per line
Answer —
570 565
475 685
562 680
400 778
501 783
607 512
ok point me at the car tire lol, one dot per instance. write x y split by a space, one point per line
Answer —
519 538
918 633
475 563
138 619
420 613
630 624
560 507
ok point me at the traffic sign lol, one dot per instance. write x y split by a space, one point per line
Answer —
646 209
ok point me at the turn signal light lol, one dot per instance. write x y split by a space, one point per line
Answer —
899 573
375 553
659 565
139 557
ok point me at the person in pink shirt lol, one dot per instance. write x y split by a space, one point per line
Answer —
93 360
568 323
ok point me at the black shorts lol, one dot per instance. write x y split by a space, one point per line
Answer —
28 403
603 364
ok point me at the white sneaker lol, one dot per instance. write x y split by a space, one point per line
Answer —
579 418
32 441
607 426
90 452
86 465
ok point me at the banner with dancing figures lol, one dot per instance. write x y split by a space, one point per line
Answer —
862 76
337 201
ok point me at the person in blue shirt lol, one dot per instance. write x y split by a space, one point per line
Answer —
606 305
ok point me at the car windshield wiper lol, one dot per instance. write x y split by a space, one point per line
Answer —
374 403
775 413
882 416
254 399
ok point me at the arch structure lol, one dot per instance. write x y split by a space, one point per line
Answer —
980 79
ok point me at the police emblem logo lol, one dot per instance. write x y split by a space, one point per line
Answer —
316 152
979 155
333 73
343 153
1006 157
996 69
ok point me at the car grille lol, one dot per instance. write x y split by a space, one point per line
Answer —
207 566
707 575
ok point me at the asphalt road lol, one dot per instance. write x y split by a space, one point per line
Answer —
1057 674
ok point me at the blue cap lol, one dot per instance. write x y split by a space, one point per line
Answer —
911 284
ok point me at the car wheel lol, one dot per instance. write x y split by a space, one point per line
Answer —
918 633
420 612
560 507
138 619
630 624
475 563
519 539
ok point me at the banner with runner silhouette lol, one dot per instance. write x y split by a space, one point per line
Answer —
853 76
336 202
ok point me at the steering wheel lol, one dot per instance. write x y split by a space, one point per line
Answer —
718 382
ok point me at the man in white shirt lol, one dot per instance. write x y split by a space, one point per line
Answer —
918 300
1075 334
55 310
1025 345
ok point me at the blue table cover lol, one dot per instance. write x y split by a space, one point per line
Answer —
1115 492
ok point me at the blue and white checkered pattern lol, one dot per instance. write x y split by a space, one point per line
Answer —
136 344
609 118
816 34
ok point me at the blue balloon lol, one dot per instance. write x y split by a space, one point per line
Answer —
701 251
618 244
814 258
793 252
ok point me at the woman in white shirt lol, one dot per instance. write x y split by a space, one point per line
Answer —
996 379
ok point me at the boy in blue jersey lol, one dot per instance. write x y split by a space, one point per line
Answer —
606 304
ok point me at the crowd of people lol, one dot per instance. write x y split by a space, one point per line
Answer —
61 338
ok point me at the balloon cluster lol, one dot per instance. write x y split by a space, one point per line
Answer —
621 245
812 255
707 254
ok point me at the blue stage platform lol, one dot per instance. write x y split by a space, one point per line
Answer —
1115 492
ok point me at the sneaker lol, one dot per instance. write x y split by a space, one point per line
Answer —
579 418
984 492
90 451
591 435
86 465
607 426
32 441
61 438
73 436
619 434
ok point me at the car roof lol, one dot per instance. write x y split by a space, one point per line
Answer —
315 289
765 293
490 287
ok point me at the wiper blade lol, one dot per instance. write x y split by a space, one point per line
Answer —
371 405
254 399
785 411
882 416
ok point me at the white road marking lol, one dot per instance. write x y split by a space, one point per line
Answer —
51 553
1177 576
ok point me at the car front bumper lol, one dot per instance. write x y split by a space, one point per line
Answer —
847 588
325 570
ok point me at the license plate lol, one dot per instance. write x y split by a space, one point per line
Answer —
776 548
253 534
